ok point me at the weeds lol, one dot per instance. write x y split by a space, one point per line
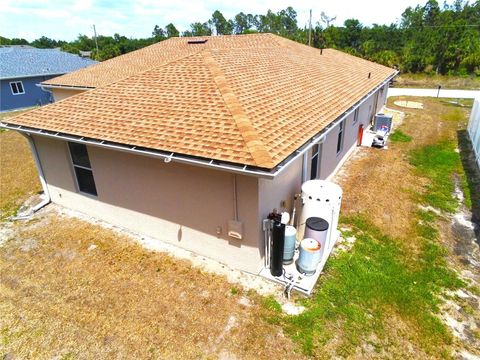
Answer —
439 163
378 276
399 136
453 115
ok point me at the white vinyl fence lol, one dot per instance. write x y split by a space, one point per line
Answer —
474 128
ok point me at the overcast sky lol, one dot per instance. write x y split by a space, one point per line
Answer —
64 20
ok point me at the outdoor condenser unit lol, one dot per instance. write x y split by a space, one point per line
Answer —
382 120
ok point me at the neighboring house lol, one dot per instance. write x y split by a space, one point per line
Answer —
23 68
178 139
474 129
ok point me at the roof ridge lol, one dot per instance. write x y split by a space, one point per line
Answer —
249 134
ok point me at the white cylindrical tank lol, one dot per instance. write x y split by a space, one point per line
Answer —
289 247
310 256
321 199
317 228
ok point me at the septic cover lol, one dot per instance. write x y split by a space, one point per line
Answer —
409 104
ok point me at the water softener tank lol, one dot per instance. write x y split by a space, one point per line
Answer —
276 248
317 228
310 255
289 247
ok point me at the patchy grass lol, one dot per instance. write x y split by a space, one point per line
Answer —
61 297
454 114
472 174
363 287
399 136
439 163
432 81
18 176
457 103
382 299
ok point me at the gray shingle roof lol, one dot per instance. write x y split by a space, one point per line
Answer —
25 62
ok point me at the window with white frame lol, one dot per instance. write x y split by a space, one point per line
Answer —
82 168
17 88
355 115
341 127
314 162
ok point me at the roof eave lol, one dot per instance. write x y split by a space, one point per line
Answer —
165 155
66 87
198 161
29 76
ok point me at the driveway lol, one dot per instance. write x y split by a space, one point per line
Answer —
444 93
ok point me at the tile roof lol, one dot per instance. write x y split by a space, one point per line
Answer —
27 61
250 99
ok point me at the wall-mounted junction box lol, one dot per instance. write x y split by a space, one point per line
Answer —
235 229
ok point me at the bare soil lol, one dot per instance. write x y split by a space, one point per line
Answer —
69 289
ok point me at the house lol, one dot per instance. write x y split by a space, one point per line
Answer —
180 139
22 68
474 129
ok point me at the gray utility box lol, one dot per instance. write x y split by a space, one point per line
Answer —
382 120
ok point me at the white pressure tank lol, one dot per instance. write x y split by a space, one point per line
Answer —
321 199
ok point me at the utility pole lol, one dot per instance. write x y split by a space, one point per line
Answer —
95 36
310 30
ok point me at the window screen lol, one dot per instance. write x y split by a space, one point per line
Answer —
17 88
314 163
355 115
82 168
340 137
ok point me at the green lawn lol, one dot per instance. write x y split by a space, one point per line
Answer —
384 293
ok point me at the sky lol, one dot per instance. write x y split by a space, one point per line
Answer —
64 20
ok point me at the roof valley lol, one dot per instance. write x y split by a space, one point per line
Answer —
249 134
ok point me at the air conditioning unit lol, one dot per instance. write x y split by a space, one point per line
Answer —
382 122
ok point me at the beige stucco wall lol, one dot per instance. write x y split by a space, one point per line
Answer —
60 94
329 158
288 183
272 194
172 202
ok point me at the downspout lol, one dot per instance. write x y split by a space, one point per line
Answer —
46 194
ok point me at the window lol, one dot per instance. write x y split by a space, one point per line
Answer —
355 115
314 163
340 137
82 168
17 88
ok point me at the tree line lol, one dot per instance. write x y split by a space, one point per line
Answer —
430 38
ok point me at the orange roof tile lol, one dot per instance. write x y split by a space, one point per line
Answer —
250 99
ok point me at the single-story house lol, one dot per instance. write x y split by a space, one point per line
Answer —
474 129
193 141
23 68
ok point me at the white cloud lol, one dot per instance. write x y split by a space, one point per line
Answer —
66 19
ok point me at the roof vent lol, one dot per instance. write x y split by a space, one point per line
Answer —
197 41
